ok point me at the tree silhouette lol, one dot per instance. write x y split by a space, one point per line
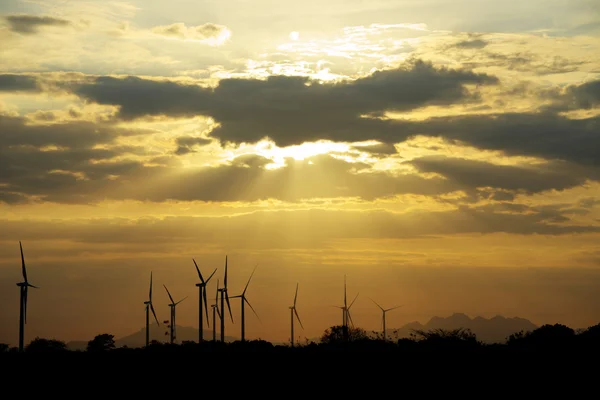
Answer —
4 348
41 345
556 335
446 339
336 334
100 343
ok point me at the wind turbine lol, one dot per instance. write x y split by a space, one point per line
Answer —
224 296
149 307
245 300
215 308
346 311
23 302
202 296
292 312
173 322
384 311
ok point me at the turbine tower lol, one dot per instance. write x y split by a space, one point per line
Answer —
149 307
224 296
215 308
173 321
245 300
293 312
383 319
24 286
201 297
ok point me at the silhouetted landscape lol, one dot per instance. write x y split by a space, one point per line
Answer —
224 178
546 338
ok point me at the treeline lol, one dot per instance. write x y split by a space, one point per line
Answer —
339 338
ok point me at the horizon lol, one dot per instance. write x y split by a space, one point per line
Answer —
442 154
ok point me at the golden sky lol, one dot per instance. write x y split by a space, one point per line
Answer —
443 154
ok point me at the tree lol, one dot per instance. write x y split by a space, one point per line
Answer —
41 345
4 348
335 334
103 342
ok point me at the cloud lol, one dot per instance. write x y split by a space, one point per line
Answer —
29 24
544 135
481 174
18 83
471 44
213 34
251 109
312 226
186 144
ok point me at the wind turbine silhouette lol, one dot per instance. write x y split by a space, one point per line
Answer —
292 312
245 300
224 296
383 319
173 321
215 308
202 296
346 312
149 307
24 286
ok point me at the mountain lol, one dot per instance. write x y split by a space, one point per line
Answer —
493 330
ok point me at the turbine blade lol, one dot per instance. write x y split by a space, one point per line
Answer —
296 295
171 297
228 305
28 284
350 317
217 296
377 304
353 301
150 295
298 317
198 269
247 283
225 279
205 304
393 308
154 313
181 300
252 308
24 270
211 275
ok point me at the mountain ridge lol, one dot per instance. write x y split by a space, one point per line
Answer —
489 330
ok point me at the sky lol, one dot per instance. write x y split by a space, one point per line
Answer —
444 155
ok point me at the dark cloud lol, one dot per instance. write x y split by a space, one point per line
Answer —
544 135
18 83
14 131
481 174
29 24
289 109
471 44
584 96
186 144
61 161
